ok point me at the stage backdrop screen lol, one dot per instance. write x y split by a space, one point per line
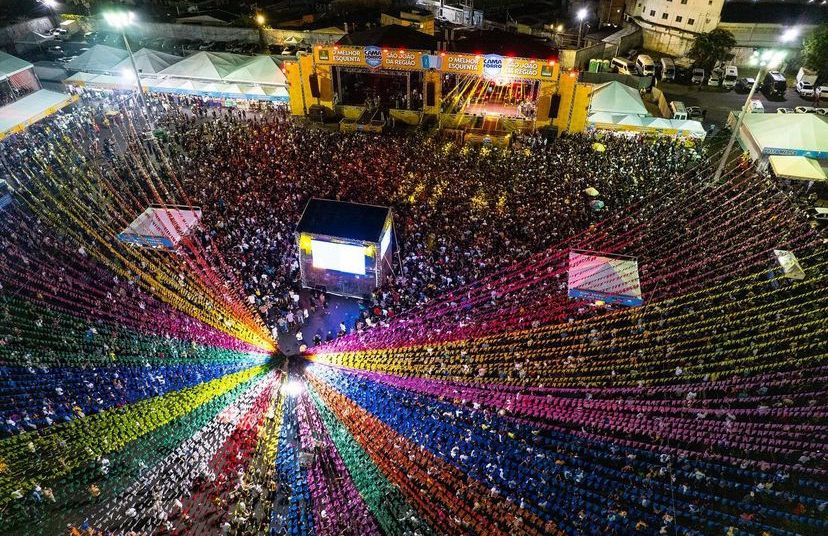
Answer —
339 257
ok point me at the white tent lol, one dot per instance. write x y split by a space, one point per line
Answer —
206 66
797 167
100 59
11 65
259 70
148 62
18 115
616 98
785 134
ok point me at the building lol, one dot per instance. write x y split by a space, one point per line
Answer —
422 21
670 26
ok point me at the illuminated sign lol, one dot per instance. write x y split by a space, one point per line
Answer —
402 59
373 57
462 64
492 66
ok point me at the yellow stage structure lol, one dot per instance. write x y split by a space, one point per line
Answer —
484 97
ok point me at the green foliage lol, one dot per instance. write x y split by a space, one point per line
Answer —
815 50
710 47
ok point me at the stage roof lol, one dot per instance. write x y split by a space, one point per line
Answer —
503 43
616 98
30 109
344 220
391 36
787 134
98 59
11 65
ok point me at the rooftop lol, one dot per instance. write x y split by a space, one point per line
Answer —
353 221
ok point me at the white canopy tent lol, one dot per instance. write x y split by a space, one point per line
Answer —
617 98
224 75
763 135
100 59
797 168
148 62
12 65
213 66
635 123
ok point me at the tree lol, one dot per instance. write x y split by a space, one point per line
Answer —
815 50
710 47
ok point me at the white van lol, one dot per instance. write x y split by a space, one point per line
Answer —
645 65
668 69
622 65
731 74
679 110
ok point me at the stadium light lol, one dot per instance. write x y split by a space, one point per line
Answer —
766 60
582 14
789 35
120 20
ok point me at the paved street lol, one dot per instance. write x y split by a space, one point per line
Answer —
719 102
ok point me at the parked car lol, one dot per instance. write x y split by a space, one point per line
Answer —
805 110
66 59
821 111
715 79
632 53
743 85
55 51
757 107
785 111
698 76
695 112
251 48
731 74
207 45
805 89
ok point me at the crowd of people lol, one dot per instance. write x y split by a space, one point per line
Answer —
135 397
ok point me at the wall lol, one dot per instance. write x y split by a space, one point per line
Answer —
578 59
667 41
704 14
226 33
9 34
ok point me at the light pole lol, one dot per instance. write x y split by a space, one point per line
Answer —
260 23
582 14
120 20
767 60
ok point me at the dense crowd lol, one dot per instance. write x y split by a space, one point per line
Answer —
126 409
460 213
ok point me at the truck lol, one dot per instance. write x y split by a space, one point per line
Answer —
805 82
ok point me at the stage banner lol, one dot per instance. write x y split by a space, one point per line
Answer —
407 60
462 64
342 55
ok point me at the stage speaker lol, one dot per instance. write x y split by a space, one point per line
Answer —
313 80
429 94
554 105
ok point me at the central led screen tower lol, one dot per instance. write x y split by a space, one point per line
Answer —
344 248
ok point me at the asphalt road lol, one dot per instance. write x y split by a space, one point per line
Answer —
719 102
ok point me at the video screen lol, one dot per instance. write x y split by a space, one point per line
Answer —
339 257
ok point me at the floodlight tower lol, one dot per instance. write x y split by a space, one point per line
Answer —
120 20
766 60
